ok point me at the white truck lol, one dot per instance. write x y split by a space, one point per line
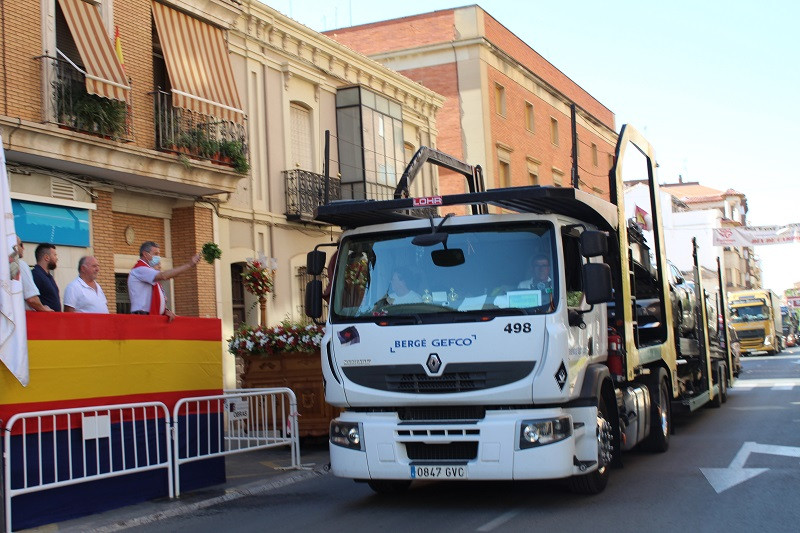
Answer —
450 363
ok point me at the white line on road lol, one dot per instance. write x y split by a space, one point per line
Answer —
499 521
782 387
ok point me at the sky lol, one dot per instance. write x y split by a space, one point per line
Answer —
713 85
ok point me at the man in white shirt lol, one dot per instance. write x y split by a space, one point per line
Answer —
83 294
540 275
30 292
147 296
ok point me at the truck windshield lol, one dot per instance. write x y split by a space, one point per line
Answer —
749 313
502 269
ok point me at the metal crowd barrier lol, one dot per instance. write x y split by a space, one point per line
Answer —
236 421
56 448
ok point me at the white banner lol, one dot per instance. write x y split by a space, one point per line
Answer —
13 330
756 235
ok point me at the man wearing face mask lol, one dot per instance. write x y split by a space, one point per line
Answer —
146 294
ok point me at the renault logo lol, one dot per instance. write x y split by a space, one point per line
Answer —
434 364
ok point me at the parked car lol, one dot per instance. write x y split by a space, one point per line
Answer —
791 340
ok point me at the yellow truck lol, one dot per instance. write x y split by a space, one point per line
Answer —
756 317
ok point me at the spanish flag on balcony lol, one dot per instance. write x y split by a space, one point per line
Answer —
118 47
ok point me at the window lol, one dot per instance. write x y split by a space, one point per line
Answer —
301 140
504 174
558 178
554 131
533 173
529 117
121 291
573 266
371 147
237 295
594 154
500 99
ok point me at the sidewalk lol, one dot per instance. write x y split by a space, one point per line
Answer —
247 474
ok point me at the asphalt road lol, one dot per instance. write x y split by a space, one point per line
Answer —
730 469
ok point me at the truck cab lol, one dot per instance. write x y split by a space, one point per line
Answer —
482 346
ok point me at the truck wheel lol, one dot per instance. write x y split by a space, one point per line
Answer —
723 384
721 397
660 413
389 486
595 482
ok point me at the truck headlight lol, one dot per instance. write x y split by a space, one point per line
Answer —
534 433
346 434
767 341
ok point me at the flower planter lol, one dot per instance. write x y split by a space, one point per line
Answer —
301 372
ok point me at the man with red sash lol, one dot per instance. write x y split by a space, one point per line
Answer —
145 292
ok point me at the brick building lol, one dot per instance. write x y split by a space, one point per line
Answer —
87 171
507 108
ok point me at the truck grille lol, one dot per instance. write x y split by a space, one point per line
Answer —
458 377
444 413
750 334
452 451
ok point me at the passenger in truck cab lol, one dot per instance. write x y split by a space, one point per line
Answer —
400 293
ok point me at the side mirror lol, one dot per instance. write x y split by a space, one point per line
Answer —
315 262
594 243
313 301
596 283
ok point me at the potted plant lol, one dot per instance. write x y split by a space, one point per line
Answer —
286 355
234 150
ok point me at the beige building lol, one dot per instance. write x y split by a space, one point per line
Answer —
297 84
206 123
742 267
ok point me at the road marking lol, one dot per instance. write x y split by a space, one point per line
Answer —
499 521
782 387
775 382
722 479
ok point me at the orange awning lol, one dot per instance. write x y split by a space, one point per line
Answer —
198 65
104 74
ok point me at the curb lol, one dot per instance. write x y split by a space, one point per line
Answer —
177 508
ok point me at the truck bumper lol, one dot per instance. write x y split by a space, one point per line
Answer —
488 449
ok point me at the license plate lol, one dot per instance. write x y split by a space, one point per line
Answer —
438 472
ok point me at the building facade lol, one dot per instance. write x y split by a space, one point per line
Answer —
507 108
729 208
185 122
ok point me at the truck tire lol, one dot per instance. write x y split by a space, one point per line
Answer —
660 413
724 384
389 486
719 379
595 482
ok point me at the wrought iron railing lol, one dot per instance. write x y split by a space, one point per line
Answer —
199 136
71 106
305 191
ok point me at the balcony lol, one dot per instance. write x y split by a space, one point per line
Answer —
305 191
73 108
190 134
